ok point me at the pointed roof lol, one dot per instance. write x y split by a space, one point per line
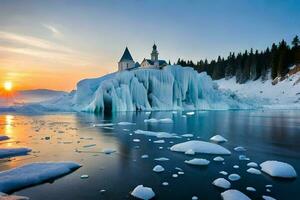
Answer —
126 56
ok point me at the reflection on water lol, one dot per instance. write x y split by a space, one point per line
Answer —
60 137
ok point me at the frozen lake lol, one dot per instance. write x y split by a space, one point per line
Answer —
267 135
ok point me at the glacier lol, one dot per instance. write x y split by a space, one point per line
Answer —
171 88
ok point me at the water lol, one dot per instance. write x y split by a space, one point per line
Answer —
267 135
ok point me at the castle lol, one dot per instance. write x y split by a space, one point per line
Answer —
127 63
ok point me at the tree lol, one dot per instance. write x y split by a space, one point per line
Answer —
296 41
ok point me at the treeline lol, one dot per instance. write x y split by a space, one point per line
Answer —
251 65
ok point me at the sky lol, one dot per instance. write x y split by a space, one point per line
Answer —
54 44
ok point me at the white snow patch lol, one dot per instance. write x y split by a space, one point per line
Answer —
200 147
222 183
278 169
142 192
33 174
234 195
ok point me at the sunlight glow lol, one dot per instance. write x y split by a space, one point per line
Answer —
8 85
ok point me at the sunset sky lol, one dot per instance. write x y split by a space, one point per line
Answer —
53 44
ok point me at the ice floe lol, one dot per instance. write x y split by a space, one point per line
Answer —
234 195
4 137
234 177
103 125
218 138
251 189
165 183
159 141
108 151
190 152
223 173
34 173
195 198
187 135
252 164
265 197
84 176
144 156
136 140
156 134
153 120
197 161
11 152
278 169
200 147
240 149
142 192
125 123
253 171
190 113
158 168
243 157
218 159
222 183
161 159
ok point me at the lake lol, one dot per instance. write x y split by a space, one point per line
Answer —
267 135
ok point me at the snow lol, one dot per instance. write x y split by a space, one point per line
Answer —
234 195
34 173
278 169
4 137
197 161
158 168
222 183
282 95
156 134
142 192
11 152
218 138
234 177
200 147
253 171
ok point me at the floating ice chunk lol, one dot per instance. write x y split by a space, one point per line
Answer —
103 125
165 183
158 168
243 157
252 164
4 137
234 177
265 197
218 138
33 174
218 159
178 168
159 141
268 190
174 175
142 192
136 140
251 189
153 120
187 135
222 183
125 129
268 186
190 113
11 152
102 191
236 166
223 173
253 171
278 169
174 112
161 159
156 134
84 176
234 195
144 156
190 152
89 145
240 149
197 161
200 147
166 120
147 113
108 151
180 173
125 123
195 198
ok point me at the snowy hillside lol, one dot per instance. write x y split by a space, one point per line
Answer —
171 88
283 95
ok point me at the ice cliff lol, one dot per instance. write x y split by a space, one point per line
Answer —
171 88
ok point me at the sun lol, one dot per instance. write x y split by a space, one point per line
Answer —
8 85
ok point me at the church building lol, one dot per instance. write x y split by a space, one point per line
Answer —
126 62
154 61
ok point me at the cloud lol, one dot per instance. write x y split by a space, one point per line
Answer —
33 46
53 30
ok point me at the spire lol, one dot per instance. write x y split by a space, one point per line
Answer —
154 54
126 56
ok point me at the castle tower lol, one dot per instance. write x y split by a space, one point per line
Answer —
154 54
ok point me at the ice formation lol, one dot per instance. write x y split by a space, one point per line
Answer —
171 88
10 152
158 168
222 183
200 147
278 169
34 173
218 138
142 192
197 161
234 195
156 134
3 137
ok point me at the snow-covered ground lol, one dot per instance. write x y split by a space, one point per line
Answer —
283 95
